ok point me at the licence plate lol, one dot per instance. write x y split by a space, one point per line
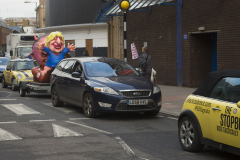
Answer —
137 102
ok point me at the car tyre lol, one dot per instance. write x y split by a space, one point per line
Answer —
189 136
55 99
88 106
13 87
3 83
22 91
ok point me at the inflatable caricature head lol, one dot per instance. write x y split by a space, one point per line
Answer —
55 42
37 54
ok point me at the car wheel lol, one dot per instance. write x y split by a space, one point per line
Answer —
3 83
88 108
188 135
22 91
55 99
14 88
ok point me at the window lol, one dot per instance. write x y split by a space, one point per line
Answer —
25 65
77 67
227 89
61 65
10 65
67 68
4 61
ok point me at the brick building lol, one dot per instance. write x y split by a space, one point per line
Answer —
4 31
186 39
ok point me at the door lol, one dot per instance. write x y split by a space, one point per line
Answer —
225 115
76 85
70 42
89 46
9 69
60 79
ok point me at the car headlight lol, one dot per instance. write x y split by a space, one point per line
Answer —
19 76
105 90
156 89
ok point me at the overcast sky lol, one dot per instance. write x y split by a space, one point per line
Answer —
17 8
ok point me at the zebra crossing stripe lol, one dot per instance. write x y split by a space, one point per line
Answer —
6 136
60 131
20 109
63 109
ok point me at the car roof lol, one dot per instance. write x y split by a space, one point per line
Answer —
95 59
212 79
21 60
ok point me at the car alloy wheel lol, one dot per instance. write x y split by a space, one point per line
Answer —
88 106
55 100
188 135
3 83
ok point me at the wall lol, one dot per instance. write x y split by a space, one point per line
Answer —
3 33
158 29
65 12
213 15
115 37
97 33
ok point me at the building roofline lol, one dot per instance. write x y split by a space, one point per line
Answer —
71 26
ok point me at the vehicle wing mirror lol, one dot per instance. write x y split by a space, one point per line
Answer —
11 53
238 104
77 74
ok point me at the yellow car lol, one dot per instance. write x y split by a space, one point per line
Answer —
211 115
18 70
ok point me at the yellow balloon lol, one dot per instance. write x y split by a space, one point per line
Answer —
125 5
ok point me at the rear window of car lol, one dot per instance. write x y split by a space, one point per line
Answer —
61 65
25 65
4 61
227 89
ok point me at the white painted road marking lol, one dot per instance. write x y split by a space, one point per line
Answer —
5 135
8 99
60 131
47 120
172 118
128 149
63 109
89 127
20 109
8 122
72 119
161 116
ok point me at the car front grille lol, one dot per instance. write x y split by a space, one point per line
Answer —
136 93
28 79
125 107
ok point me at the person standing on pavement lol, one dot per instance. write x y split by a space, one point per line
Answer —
145 63
85 53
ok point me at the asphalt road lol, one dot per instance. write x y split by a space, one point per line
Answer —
30 129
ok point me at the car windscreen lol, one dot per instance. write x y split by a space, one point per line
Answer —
25 65
104 69
4 61
24 52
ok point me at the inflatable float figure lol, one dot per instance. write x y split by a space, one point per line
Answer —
55 53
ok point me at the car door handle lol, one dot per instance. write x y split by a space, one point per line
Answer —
216 108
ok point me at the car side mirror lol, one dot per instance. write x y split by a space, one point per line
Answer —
77 74
238 104
11 53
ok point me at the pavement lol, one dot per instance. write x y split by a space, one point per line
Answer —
173 98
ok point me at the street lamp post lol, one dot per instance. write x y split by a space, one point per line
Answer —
35 10
124 6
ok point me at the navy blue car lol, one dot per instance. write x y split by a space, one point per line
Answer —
103 85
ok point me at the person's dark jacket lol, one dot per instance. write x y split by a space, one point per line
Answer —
148 68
